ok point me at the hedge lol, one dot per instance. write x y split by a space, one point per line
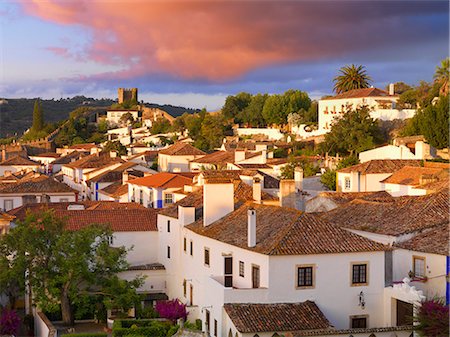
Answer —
140 328
86 334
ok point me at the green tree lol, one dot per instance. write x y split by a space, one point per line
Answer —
64 267
355 131
441 76
115 146
125 118
273 111
161 125
234 105
309 169
399 87
252 114
328 179
38 117
434 123
351 77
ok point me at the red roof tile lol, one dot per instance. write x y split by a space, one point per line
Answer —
182 149
380 166
95 161
18 160
163 180
433 240
409 175
359 93
41 184
276 317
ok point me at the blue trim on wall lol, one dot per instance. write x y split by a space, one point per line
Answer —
447 284
159 204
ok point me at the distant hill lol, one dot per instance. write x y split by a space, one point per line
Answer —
16 115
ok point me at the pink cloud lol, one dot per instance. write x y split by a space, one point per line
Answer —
216 40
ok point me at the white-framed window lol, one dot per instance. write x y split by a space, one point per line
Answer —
8 204
241 268
168 198
419 266
347 183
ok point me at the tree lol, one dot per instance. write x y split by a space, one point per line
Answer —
115 146
9 322
441 76
38 117
234 105
355 131
399 87
432 319
64 267
433 123
328 179
351 77
252 114
127 117
172 310
288 171
161 125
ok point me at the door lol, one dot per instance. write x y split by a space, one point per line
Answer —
255 276
228 272
404 313
207 317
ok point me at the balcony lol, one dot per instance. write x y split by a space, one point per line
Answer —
238 294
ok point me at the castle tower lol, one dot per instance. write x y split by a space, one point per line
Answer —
127 94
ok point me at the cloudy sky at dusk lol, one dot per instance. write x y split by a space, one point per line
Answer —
196 53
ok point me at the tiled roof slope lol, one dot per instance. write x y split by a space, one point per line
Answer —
163 180
75 155
18 160
409 175
344 197
111 175
380 166
434 240
217 158
41 184
118 218
95 161
392 217
242 193
359 93
182 149
284 231
115 190
255 317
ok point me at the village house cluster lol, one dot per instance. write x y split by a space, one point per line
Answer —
252 254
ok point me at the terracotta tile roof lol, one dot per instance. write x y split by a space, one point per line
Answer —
95 161
17 176
345 197
240 145
163 180
18 160
111 175
380 166
220 158
182 149
149 155
433 240
276 317
410 175
392 217
86 146
253 166
75 155
41 184
242 193
359 93
121 217
231 174
284 231
115 190
48 155
351 332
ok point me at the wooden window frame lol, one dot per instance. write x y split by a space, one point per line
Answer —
185 244
241 272
206 262
191 248
168 226
422 258
168 252
313 267
367 274
351 318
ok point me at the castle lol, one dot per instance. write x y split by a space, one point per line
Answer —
127 94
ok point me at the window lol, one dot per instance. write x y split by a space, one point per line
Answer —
184 244
168 226
305 276
241 268
347 183
206 256
255 276
141 197
191 294
8 204
168 198
184 288
168 252
326 111
358 322
207 319
63 200
191 248
215 327
419 266
359 274
228 271
110 240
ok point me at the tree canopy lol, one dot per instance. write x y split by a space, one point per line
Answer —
351 77
65 267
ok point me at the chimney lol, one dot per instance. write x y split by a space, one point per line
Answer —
125 177
287 193
391 89
300 201
94 150
298 178
251 227
257 190
239 155
218 199
186 215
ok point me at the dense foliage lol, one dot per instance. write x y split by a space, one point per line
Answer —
355 131
351 77
171 310
309 169
115 146
144 327
328 179
432 319
9 322
66 268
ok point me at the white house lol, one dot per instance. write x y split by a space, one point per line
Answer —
176 158
113 116
219 255
381 103
16 164
46 160
117 191
367 177
39 188
157 190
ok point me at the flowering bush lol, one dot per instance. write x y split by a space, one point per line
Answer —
172 309
9 322
432 319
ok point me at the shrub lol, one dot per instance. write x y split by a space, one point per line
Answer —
172 309
86 334
432 319
172 331
9 322
138 328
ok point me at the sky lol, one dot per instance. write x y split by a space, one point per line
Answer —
195 53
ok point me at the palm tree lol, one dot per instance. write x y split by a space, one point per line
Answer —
442 75
351 77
